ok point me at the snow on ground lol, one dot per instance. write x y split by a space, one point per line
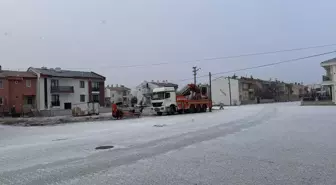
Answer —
254 143
52 143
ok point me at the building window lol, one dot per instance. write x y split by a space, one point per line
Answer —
95 86
28 83
1 85
30 101
112 95
82 98
82 84
1 101
95 98
55 100
54 83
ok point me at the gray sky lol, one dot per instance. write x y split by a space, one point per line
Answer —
97 35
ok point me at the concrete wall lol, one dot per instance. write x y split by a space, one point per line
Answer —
221 94
141 89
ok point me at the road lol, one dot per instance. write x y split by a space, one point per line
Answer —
255 144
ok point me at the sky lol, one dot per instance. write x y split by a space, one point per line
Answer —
101 36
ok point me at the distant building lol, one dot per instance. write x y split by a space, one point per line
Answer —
61 89
329 79
143 91
17 89
118 94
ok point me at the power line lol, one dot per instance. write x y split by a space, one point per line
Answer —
223 57
264 65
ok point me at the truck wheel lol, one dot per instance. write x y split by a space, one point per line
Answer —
172 110
204 108
159 113
192 109
180 111
198 108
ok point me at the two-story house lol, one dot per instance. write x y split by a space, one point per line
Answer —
62 89
329 79
143 91
119 94
17 89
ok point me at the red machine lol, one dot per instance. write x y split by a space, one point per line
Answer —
193 99
119 113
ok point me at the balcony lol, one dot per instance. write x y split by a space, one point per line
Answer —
61 89
325 78
95 89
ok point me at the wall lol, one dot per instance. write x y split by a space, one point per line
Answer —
141 90
221 94
4 92
115 96
73 98
17 91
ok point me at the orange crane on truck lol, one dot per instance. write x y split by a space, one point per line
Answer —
190 99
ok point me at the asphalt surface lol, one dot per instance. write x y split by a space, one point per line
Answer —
257 144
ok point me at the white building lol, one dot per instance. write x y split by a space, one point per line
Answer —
329 79
118 94
62 89
143 91
222 88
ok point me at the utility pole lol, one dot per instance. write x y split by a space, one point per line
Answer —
195 73
210 93
230 90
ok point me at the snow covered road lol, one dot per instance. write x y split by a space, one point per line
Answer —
274 143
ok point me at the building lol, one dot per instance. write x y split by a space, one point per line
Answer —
329 79
62 89
118 94
17 89
252 90
225 91
143 91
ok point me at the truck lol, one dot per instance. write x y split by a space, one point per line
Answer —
190 99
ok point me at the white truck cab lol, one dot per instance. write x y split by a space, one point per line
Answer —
164 100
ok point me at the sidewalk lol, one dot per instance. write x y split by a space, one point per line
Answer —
55 120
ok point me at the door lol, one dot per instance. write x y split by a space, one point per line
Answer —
67 105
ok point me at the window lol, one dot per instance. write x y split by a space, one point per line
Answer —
1 85
82 84
112 95
82 98
28 83
55 100
95 86
1 101
54 83
95 98
167 95
30 100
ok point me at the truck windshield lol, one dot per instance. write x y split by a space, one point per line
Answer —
158 96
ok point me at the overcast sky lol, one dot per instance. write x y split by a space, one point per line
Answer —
98 35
